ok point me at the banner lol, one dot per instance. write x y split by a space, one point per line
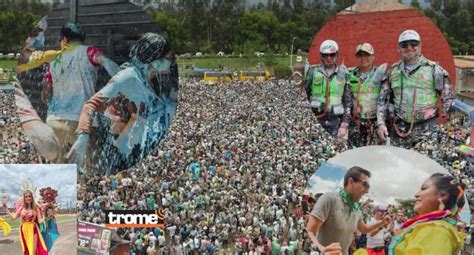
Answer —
93 238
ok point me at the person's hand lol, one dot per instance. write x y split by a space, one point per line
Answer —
77 154
387 220
382 131
43 138
332 249
342 133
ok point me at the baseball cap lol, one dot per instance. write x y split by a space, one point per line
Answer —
379 208
409 35
366 47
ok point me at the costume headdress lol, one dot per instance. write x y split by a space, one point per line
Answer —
48 195
27 185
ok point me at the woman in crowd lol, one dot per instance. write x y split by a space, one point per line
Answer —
49 230
433 230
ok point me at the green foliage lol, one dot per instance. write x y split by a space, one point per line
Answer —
225 25
282 71
343 4
415 4
270 60
16 19
406 206
456 20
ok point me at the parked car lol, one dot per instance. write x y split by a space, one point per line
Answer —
186 55
259 54
198 54
220 54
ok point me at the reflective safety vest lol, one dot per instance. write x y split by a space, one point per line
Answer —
318 92
414 95
366 94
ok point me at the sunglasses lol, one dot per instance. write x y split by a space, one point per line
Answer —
364 183
332 55
362 54
412 44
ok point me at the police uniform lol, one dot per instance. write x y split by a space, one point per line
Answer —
410 96
330 96
364 111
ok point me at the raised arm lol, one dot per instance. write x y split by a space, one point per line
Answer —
109 65
369 228
13 216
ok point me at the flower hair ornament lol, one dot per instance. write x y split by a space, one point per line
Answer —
48 195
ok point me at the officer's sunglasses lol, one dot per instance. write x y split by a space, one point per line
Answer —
364 183
332 55
412 44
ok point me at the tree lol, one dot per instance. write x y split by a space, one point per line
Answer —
343 4
16 19
406 206
415 4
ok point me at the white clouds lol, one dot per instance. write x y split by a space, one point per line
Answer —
396 172
63 178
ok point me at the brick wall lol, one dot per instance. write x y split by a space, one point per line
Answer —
382 29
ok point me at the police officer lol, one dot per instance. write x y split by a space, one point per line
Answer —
325 86
365 80
414 86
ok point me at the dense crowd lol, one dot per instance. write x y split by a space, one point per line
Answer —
16 147
226 142
231 174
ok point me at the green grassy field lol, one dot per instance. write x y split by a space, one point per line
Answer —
238 63
248 63
59 218
7 63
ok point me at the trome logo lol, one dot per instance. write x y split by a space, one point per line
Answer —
134 219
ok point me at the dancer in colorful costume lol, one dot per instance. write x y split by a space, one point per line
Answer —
433 230
32 242
49 228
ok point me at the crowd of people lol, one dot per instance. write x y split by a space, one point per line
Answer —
16 147
226 142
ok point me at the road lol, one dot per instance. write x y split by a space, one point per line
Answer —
65 244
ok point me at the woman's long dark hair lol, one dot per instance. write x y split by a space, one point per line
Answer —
448 184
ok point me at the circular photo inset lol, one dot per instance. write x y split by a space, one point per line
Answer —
377 195
101 93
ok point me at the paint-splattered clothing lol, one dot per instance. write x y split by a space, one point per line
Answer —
440 80
73 75
388 109
133 118
339 91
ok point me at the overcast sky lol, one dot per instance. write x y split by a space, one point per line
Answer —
396 172
62 178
